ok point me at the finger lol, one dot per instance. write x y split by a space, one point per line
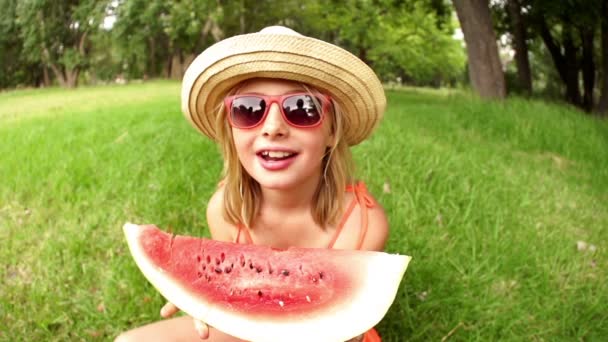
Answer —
168 310
202 329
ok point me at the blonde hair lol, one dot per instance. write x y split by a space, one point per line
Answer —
242 192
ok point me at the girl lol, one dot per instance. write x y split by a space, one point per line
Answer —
284 109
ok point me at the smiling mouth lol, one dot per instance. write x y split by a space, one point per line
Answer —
276 155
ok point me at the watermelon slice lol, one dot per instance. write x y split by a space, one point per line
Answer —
258 293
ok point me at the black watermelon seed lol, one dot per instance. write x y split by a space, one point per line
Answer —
285 272
218 270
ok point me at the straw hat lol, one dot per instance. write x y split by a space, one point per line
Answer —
279 52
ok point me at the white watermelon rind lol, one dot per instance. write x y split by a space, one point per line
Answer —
361 312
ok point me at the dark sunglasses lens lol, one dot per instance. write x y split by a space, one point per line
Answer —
302 110
247 111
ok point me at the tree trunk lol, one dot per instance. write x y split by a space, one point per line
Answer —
46 79
588 67
242 16
573 91
150 70
58 75
521 46
362 50
71 77
566 65
603 105
485 69
176 65
167 67
188 59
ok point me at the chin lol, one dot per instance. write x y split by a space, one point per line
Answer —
276 184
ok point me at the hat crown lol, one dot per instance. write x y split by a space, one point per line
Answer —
277 29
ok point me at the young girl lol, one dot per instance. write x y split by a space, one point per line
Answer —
284 109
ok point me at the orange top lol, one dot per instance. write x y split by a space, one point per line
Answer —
362 198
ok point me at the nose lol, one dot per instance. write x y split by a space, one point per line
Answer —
274 125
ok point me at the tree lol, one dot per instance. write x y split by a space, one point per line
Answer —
414 44
603 104
518 30
485 70
139 37
57 34
409 41
406 39
11 72
190 27
568 32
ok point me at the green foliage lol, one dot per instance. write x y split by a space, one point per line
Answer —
13 70
137 23
411 45
408 39
411 40
185 21
56 33
489 198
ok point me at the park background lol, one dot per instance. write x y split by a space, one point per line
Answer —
491 162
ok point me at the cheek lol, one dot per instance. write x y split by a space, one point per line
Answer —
242 143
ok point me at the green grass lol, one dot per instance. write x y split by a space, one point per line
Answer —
489 198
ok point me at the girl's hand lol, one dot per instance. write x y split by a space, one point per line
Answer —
201 327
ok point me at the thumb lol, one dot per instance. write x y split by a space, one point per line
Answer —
202 329
168 310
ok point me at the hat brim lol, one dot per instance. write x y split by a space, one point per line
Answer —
329 68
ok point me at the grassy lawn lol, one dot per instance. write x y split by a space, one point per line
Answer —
489 198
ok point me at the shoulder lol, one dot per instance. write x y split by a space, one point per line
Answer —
369 218
219 228
377 228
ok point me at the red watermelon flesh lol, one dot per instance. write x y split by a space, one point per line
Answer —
259 293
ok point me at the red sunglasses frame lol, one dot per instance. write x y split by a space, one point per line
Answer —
278 99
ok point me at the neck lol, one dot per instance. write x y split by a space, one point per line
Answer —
298 197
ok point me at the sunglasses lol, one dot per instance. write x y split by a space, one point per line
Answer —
299 110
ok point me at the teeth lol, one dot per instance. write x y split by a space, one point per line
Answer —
276 154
